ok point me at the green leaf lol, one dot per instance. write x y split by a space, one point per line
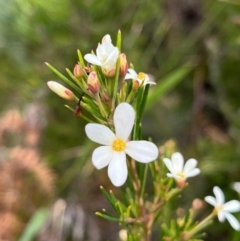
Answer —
167 84
119 40
34 225
64 78
111 199
80 57
105 216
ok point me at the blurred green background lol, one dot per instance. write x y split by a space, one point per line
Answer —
191 48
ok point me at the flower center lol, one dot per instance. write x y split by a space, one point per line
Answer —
219 208
141 76
118 145
182 175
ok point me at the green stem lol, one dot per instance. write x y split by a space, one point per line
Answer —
115 87
137 189
201 225
101 107
144 180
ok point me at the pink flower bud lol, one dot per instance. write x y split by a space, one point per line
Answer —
78 71
105 96
135 84
123 65
61 91
93 83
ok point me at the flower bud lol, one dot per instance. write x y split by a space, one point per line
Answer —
109 72
78 71
61 91
123 65
105 96
107 38
93 83
180 183
135 85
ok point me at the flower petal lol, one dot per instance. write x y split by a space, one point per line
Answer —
129 76
110 62
117 169
189 165
168 164
104 50
133 73
123 118
170 175
221 216
193 172
92 59
233 221
236 186
142 151
177 162
219 195
232 206
149 83
106 38
102 156
211 200
100 134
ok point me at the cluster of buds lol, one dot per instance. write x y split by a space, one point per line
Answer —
102 80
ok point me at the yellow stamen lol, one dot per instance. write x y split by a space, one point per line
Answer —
141 76
118 145
182 175
219 208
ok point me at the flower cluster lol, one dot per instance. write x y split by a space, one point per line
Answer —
102 82
111 93
106 56
111 97
181 172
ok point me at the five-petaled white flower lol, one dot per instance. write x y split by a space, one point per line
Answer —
140 78
236 186
178 170
224 210
116 146
106 56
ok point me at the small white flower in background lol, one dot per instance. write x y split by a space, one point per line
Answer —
178 170
224 210
106 56
140 78
116 146
236 187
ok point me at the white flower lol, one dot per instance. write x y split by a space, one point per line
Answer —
236 186
224 210
178 170
141 77
116 146
106 56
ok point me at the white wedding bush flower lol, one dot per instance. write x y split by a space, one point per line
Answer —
117 145
223 209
